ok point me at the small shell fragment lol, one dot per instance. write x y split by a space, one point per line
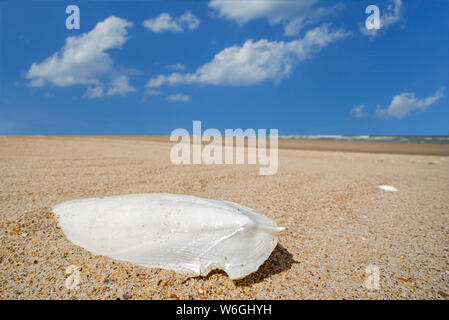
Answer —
388 188
176 232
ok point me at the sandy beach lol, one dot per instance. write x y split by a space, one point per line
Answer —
337 220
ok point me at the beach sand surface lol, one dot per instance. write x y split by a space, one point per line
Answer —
338 221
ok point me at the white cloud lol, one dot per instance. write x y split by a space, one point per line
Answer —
94 92
274 10
358 111
254 62
150 92
292 28
405 103
294 14
178 97
178 66
83 59
37 83
165 22
390 15
120 86
190 20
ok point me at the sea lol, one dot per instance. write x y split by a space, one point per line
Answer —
410 139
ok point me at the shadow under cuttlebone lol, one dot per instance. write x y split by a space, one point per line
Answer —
280 260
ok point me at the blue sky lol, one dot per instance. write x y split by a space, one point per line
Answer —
149 67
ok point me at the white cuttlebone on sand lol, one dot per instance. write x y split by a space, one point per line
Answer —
387 188
182 233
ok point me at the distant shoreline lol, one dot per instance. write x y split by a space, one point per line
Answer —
367 147
410 148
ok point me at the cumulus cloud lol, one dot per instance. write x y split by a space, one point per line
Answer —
358 111
83 60
178 97
390 15
293 14
94 92
150 92
254 62
406 103
165 22
120 86
190 20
